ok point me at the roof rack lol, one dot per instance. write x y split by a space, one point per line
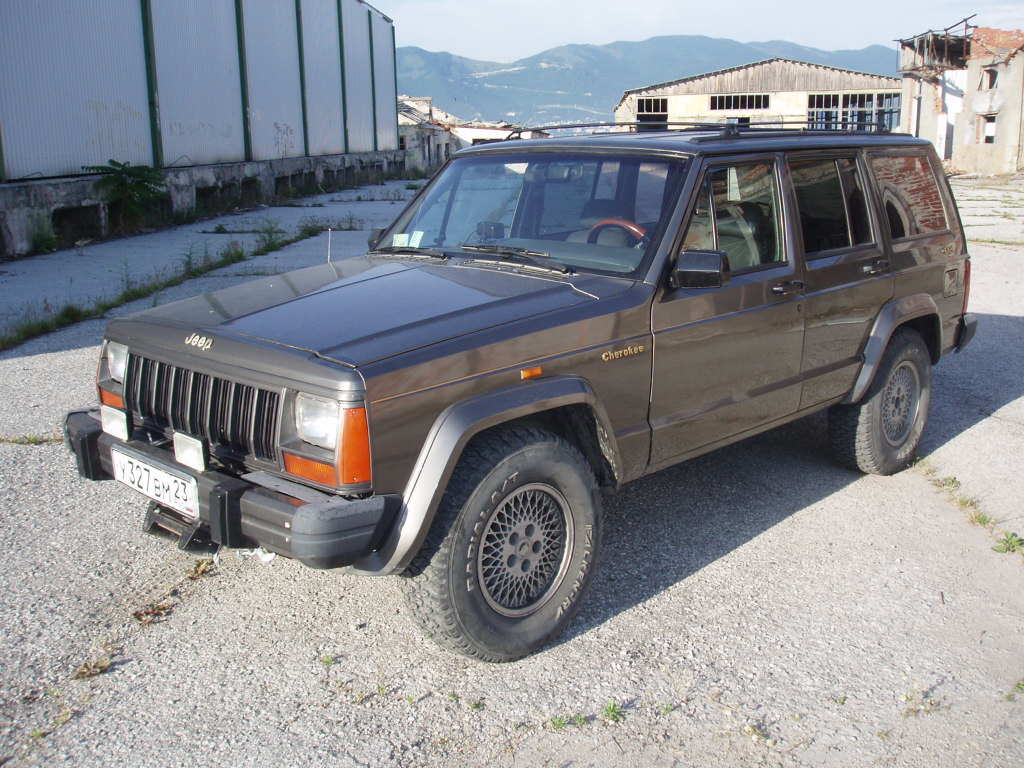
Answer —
724 130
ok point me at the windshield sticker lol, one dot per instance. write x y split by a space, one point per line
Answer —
400 241
415 238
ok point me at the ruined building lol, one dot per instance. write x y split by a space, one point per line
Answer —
963 89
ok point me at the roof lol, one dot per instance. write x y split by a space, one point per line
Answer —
776 59
701 142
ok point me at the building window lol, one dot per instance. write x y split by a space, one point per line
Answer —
401 142
652 110
853 111
989 79
741 101
987 134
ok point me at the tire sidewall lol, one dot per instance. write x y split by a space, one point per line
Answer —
907 348
551 464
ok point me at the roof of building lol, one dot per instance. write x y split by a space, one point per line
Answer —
764 62
702 142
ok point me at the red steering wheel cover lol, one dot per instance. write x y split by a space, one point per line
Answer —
630 226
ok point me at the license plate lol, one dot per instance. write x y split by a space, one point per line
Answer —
171 489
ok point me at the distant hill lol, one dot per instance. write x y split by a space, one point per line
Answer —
575 83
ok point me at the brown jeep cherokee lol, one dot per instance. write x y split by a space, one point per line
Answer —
546 318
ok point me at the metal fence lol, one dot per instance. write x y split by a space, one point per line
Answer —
191 82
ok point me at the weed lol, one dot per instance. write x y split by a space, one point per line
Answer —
202 567
841 700
967 502
220 229
129 186
416 187
921 703
558 723
477 705
311 226
327 661
232 253
1010 542
268 236
980 518
667 709
454 697
578 720
757 731
948 484
613 712
93 668
383 690
44 240
153 613
31 440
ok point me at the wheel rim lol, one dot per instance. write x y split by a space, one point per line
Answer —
525 550
901 400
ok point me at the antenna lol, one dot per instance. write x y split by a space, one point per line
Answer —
328 245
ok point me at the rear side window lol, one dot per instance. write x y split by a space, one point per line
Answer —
910 196
830 198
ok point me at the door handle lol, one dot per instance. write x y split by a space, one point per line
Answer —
875 267
788 287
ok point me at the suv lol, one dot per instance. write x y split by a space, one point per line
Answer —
546 319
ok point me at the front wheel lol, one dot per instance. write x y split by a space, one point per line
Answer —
513 547
881 433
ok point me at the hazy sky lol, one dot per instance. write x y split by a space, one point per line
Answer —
505 31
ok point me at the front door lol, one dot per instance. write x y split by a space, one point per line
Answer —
727 360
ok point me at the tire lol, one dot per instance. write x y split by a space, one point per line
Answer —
513 547
880 434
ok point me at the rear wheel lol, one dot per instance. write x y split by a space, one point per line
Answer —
513 547
881 433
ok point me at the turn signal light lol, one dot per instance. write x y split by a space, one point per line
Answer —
530 373
111 399
317 471
354 444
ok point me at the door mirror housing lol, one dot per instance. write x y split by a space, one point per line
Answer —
700 269
374 239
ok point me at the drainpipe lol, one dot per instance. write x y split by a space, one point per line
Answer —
917 110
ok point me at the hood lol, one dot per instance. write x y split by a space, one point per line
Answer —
360 310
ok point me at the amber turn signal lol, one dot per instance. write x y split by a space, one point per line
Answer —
309 469
354 445
111 399
530 373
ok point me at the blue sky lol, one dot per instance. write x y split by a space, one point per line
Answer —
505 31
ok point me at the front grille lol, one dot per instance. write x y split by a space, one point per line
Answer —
236 416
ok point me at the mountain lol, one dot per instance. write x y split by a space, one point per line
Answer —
580 83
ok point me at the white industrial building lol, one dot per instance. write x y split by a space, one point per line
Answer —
219 93
773 91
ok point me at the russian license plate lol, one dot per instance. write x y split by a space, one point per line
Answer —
171 489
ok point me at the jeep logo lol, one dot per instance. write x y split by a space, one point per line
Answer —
199 342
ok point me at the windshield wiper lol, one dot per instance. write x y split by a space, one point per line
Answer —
408 250
525 255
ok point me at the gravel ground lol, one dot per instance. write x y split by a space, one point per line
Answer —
757 606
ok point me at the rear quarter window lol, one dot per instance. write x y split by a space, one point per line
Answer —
910 196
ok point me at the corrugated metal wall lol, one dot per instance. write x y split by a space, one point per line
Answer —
72 90
200 89
74 82
358 76
324 111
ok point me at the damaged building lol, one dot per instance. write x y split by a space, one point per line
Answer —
963 89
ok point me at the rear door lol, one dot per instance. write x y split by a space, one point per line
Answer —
848 275
727 360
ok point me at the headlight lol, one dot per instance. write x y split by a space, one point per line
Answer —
117 360
317 421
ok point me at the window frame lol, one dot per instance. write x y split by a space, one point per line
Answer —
869 193
714 162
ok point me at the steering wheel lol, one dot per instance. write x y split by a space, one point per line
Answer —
630 226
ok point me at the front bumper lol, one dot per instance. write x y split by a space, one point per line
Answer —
237 512
965 331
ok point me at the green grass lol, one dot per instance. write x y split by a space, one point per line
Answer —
31 440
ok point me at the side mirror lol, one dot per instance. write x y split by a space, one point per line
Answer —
374 238
700 269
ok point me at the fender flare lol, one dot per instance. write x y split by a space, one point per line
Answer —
892 315
443 447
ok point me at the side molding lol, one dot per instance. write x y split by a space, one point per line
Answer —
443 447
892 315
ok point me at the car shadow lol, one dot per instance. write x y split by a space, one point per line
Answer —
664 528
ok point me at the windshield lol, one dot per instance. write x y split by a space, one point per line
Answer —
603 213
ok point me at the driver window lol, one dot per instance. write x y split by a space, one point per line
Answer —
700 235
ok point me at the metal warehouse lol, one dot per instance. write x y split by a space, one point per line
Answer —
772 91
241 97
